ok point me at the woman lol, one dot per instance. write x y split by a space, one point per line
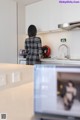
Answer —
33 47
70 94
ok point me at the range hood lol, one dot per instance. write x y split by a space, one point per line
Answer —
69 26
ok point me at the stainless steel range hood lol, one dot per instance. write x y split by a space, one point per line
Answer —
69 26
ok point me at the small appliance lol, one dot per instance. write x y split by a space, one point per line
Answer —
22 52
46 51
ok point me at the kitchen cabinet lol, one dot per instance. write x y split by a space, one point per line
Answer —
37 14
44 14
69 12
47 14
54 14
61 13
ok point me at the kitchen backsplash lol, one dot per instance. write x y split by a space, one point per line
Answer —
72 41
53 40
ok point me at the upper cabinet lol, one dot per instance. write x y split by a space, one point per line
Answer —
44 14
47 14
70 12
54 14
63 13
37 14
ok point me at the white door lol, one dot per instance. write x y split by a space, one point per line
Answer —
8 31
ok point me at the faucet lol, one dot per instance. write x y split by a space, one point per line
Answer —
67 55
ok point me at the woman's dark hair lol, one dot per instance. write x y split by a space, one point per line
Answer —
32 31
71 83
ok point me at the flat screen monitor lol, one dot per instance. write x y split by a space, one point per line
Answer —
57 91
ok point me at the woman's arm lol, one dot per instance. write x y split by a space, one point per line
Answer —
25 44
40 48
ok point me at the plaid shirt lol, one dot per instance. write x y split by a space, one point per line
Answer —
33 48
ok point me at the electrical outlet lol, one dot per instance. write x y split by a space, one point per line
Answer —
15 77
2 79
63 39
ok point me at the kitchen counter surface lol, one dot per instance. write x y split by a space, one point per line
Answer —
59 61
21 60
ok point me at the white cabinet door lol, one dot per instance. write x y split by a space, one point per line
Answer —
54 14
61 13
70 12
37 14
47 14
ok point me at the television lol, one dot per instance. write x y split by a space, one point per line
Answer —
57 91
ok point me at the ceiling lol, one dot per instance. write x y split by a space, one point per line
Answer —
25 2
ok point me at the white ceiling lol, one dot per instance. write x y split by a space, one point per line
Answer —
25 2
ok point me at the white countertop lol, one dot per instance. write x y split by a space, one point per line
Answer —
21 58
57 61
64 61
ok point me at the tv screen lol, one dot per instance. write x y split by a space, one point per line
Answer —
57 90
